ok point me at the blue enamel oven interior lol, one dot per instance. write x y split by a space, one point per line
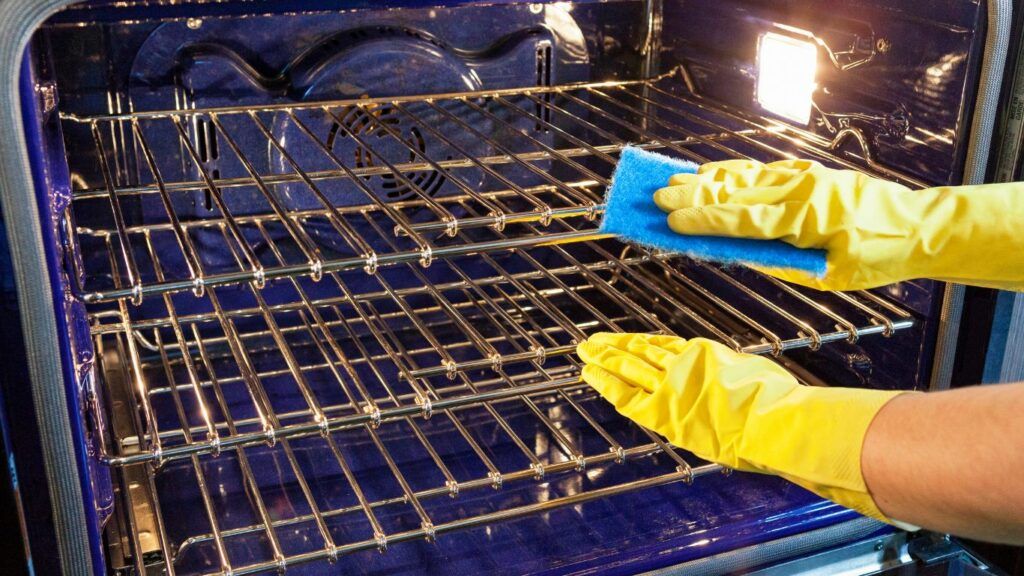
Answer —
101 56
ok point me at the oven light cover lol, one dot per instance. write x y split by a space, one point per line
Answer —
786 70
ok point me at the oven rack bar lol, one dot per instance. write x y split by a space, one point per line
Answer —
290 106
433 532
283 167
488 335
496 482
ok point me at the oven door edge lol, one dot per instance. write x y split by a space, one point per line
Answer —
791 548
858 547
34 285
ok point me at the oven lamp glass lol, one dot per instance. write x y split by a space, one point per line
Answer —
786 69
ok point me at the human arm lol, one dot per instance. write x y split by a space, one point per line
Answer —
876 232
924 456
951 461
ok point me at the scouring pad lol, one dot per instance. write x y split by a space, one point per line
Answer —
631 214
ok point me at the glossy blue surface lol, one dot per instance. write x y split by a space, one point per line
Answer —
910 96
52 192
317 58
917 88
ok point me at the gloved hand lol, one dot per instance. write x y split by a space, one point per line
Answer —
876 232
739 410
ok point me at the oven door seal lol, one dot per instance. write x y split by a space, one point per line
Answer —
33 284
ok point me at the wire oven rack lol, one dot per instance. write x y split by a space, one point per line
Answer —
467 373
548 154
333 364
399 344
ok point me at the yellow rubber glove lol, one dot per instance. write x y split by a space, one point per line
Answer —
876 232
739 410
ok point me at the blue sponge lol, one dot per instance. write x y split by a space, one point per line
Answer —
631 214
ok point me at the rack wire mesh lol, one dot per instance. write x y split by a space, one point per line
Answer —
380 181
318 305
473 375
355 349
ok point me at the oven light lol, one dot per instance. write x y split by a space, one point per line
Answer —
786 69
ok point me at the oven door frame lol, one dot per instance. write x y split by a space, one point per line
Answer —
60 455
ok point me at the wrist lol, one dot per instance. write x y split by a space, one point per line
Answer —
818 435
969 234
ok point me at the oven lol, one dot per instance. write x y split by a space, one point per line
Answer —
295 287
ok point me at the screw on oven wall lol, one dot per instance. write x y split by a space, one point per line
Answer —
883 45
193 23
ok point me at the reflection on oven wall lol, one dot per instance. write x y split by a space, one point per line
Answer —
883 68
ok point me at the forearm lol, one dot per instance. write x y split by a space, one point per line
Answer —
951 461
969 235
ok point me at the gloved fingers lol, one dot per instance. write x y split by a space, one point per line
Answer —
690 193
646 346
793 166
681 179
737 174
715 193
673 344
630 368
772 195
733 166
719 182
622 395
713 348
761 221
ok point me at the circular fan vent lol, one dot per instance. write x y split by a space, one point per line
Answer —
382 145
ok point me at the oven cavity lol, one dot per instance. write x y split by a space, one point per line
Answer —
336 266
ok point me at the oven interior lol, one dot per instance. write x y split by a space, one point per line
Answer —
326 269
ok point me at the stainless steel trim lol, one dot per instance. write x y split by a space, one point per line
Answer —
745 559
948 335
986 105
